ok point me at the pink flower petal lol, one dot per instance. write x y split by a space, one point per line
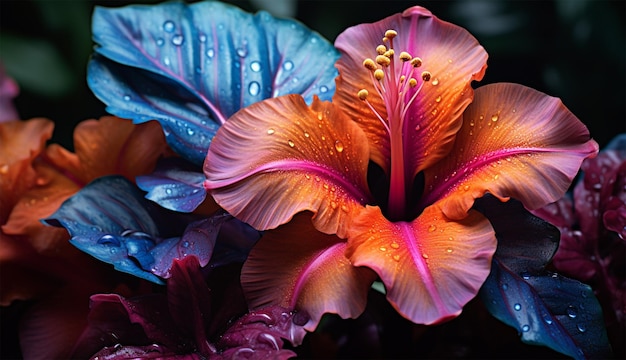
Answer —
515 142
431 267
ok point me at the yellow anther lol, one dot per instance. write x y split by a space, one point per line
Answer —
389 53
379 74
363 94
426 76
390 34
381 49
405 56
412 82
416 62
383 60
402 78
370 64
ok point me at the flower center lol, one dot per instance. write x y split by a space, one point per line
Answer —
397 81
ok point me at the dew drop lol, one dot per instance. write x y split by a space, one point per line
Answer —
525 328
254 88
382 248
306 135
547 319
242 52
435 82
466 188
255 66
160 42
323 89
438 99
169 26
178 40
210 53
168 191
126 98
396 257
571 312
432 228
185 244
581 327
494 117
109 240
202 38
517 307
525 275
291 143
288 65
425 256
395 245
505 287
270 131
166 61
339 146
434 112
333 204
449 250
190 132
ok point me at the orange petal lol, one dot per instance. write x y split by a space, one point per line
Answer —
20 143
311 275
454 59
515 142
112 145
279 157
431 267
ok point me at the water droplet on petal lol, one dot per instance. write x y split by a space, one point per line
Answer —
288 65
202 38
291 143
382 248
581 327
517 307
126 98
338 146
438 99
210 53
190 132
169 26
395 245
571 312
432 228
242 52
178 40
255 66
323 89
435 82
168 191
425 256
494 117
254 88
270 131
525 328
109 240
547 319
505 287
396 257
160 42
185 244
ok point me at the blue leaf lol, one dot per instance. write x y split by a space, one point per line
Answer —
175 185
192 66
546 309
549 310
112 221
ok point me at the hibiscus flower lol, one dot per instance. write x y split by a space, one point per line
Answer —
388 173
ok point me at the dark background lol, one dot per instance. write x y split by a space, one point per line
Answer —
572 49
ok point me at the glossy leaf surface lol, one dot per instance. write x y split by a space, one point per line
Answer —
192 66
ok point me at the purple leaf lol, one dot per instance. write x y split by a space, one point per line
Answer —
260 333
192 66
175 185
